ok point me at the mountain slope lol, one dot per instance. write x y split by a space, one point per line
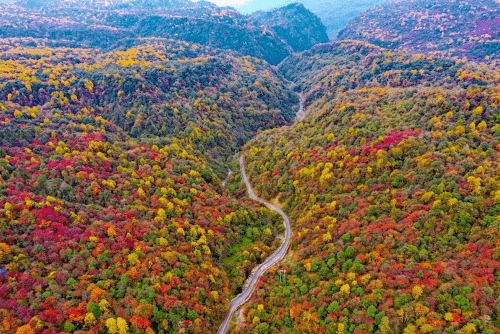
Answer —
392 186
110 211
456 27
164 89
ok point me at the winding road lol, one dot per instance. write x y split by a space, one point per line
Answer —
269 262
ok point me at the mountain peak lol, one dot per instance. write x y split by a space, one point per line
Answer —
295 24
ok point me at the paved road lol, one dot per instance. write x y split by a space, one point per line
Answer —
269 262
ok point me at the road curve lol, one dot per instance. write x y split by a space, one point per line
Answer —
269 262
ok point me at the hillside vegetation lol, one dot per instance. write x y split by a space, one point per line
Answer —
119 120
334 14
168 90
392 184
291 22
111 215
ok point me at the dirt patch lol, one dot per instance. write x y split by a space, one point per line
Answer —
241 316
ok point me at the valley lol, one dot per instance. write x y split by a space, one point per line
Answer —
178 167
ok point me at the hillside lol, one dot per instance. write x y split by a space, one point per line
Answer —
392 185
110 211
336 14
121 24
459 28
172 90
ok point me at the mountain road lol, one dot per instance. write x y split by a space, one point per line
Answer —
257 273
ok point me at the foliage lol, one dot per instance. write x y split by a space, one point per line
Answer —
392 189
101 231
210 100
288 22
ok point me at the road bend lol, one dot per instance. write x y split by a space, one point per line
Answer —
269 262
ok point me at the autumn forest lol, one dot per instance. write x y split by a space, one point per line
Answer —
123 208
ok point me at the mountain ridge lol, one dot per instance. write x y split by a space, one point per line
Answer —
115 25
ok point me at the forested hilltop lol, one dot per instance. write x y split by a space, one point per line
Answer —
392 184
335 14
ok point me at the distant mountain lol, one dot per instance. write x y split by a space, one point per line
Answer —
296 25
120 24
452 27
335 14
104 3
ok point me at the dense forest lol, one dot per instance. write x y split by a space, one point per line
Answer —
334 14
160 90
111 214
392 185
